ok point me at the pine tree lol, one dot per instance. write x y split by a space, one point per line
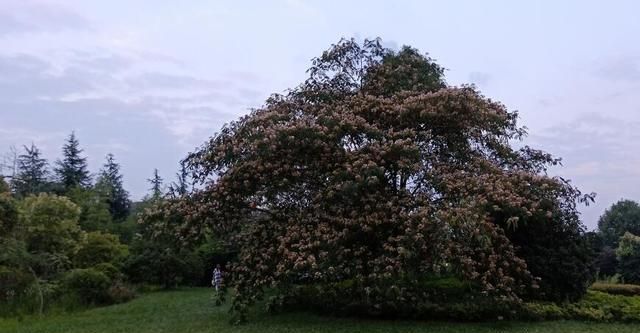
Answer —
72 169
181 186
109 184
156 185
31 176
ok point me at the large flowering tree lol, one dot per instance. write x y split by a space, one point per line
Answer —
375 171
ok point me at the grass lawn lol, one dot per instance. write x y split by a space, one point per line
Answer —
192 311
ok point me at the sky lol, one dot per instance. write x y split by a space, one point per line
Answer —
149 81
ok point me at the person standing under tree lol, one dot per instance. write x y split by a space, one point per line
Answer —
217 278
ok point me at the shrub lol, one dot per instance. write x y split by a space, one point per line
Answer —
120 292
111 271
338 299
617 289
89 285
157 264
12 282
8 213
445 298
101 248
595 306
14 289
628 254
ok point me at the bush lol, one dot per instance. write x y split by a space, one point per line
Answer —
111 271
444 298
628 254
157 264
460 304
8 213
14 289
120 293
596 306
617 289
89 285
101 248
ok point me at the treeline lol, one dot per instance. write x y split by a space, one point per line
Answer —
71 239
617 242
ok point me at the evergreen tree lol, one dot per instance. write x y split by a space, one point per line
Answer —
109 184
32 173
181 186
156 185
72 170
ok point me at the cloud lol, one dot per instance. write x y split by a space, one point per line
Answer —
620 69
164 80
188 107
113 146
26 16
479 78
600 153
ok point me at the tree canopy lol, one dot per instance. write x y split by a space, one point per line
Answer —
621 217
109 183
32 173
375 171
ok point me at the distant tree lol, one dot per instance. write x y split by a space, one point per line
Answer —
156 185
94 209
72 170
628 254
109 183
181 186
621 217
606 262
31 176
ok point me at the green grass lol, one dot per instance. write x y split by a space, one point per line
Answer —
192 311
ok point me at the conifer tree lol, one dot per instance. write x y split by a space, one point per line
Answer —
31 176
109 184
72 170
181 186
156 185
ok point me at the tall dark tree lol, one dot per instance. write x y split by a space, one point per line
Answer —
32 173
109 184
621 217
72 170
156 185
